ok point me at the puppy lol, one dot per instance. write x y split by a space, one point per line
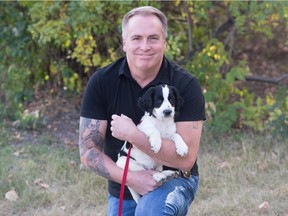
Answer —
161 105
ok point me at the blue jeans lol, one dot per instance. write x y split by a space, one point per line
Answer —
172 198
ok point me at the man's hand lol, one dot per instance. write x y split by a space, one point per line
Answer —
142 181
122 127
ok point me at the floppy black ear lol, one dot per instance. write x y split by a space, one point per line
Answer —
179 101
146 101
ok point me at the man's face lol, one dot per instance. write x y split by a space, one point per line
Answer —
144 43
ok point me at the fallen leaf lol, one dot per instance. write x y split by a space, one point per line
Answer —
73 164
44 186
11 195
223 165
261 166
264 205
38 181
17 153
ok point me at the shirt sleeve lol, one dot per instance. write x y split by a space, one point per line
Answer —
193 108
93 104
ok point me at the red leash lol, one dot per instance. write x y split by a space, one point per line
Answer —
124 180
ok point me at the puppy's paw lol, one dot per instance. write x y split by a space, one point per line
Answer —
182 150
155 143
164 176
181 147
169 174
159 177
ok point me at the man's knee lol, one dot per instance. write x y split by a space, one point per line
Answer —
177 203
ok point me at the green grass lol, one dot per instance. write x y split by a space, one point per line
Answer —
238 173
241 172
72 190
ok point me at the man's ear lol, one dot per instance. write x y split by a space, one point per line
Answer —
165 45
124 45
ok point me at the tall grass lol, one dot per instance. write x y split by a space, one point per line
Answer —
238 173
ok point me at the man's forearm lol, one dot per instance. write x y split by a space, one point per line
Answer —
91 142
167 154
94 160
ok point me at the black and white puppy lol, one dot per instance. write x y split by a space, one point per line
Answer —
161 105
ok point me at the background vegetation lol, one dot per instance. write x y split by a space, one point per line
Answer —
59 44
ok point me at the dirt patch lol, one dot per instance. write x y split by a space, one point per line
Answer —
59 117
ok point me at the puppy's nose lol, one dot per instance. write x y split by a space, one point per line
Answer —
167 112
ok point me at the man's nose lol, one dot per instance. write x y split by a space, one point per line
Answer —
145 45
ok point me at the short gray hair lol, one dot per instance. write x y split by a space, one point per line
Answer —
145 10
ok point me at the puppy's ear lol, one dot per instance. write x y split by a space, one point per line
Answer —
179 101
146 101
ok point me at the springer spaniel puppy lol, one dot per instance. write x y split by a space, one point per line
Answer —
161 105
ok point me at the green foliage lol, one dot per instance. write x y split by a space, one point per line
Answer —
15 88
258 16
278 113
61 43
30 121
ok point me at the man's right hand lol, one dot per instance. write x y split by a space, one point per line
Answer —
142 181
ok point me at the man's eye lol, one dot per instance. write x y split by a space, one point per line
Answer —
154 38
135 39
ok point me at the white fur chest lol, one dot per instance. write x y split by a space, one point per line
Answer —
166 127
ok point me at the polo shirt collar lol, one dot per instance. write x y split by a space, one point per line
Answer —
163 77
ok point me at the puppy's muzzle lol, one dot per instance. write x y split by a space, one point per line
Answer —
167 113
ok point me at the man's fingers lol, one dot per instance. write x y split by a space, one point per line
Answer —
124 116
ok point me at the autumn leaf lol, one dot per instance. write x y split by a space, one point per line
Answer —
264 205
11 195
44 186
40 183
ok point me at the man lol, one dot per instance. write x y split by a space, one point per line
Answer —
109 116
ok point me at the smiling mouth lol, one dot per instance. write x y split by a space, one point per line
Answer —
146 56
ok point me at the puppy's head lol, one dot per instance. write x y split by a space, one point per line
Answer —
161 101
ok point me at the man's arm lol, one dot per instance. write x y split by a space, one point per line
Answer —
191 133
91 142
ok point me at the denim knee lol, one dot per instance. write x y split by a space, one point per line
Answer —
177 203
173 198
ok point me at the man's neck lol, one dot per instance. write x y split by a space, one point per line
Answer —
143 78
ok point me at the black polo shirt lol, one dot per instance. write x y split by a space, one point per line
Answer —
112 90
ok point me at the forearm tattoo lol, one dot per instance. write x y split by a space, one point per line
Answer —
91 144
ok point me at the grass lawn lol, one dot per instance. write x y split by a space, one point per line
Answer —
238 174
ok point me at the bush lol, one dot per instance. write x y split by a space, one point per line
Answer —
60 44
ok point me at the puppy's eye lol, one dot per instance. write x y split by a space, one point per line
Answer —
171 100
159 100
